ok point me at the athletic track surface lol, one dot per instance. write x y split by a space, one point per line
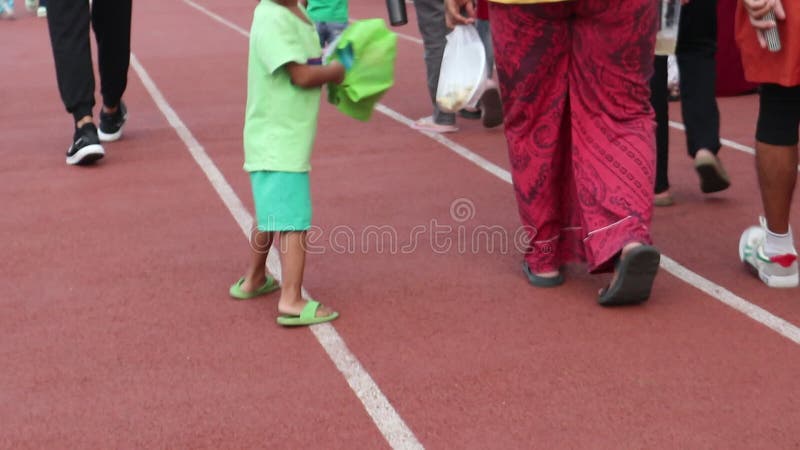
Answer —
116 330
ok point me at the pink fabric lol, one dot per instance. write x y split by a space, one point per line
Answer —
574 79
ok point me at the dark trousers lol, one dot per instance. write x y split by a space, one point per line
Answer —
432 27
68 22
696 50
659 99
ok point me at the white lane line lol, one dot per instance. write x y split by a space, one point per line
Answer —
760 315
413 39
725 142
383 414
245 33
723 295
462 151
218 18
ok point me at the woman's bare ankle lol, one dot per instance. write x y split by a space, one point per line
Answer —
628 247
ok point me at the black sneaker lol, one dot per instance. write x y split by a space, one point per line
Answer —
86 147
111 124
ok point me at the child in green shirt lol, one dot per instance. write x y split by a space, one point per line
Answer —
284 79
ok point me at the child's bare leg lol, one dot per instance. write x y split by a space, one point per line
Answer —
293 261
260 243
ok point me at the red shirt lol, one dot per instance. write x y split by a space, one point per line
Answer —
763 66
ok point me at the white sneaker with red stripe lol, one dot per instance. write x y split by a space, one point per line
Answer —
776 271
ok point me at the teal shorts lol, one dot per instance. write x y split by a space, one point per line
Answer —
282 200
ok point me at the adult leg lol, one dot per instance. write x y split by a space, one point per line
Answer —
432 27
485 32
612 126
532 58
490 103
777 177
776 152
696 51
111 20
769 248
68 23
660 104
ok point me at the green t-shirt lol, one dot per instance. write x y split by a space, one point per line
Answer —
280 118
328 10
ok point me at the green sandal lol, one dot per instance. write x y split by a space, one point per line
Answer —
307 317
269 286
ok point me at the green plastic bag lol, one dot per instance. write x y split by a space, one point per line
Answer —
374 50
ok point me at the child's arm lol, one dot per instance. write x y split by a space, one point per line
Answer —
308 76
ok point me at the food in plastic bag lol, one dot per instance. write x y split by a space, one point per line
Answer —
463 73
454 99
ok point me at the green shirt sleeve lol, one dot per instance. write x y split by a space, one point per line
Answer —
278 43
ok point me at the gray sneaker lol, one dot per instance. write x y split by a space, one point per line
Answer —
777 271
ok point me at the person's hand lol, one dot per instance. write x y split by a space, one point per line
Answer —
453 15
757 9
339 72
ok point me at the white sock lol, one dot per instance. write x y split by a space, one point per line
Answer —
779 244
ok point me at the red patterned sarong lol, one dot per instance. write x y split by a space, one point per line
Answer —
574 78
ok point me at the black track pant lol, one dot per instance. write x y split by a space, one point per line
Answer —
696 50
68 22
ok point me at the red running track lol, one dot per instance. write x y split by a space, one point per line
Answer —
116 330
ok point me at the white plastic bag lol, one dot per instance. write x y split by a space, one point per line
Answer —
673 73
463 74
